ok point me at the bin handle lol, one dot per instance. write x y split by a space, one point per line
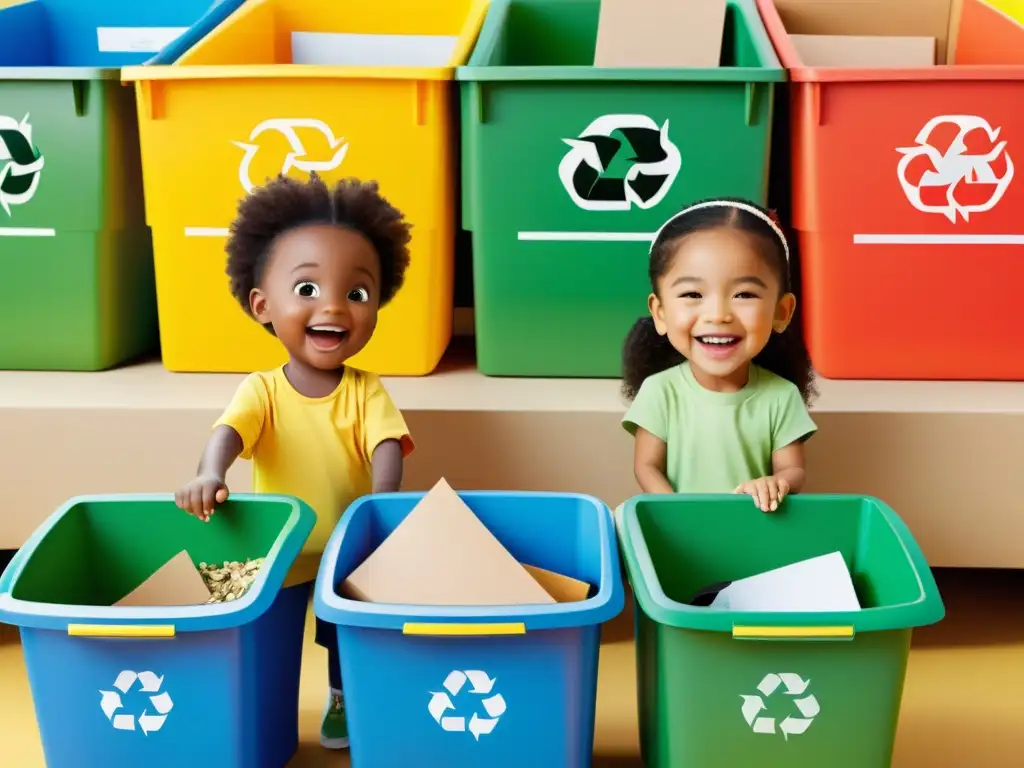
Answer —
463 630
132 631
837 632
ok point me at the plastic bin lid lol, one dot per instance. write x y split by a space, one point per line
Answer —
186 618
602 606
927 609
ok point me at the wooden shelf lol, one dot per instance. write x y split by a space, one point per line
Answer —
945 455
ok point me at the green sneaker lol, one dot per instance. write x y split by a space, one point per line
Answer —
334 731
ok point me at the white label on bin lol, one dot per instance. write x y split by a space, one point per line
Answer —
945 168
158 702
648 163
348 50
479 700
324 153
21 163
136 39
800 707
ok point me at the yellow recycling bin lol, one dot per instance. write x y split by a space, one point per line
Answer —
343 88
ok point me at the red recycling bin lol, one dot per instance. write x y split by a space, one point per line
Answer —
908 188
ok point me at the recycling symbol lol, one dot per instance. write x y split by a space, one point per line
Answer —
651 162
953 160
794 687
298 157
20 163
150 684
481 687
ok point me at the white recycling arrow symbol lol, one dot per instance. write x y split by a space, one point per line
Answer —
149 683
445 713
794 688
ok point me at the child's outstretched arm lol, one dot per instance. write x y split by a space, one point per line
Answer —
208 488
649 454
387 466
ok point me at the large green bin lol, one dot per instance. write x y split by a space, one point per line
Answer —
76 267
560 275
773 690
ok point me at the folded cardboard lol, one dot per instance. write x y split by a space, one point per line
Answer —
820 584
442 555
991 33
663 34
177 582
864 51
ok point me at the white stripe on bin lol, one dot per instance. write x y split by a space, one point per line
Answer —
580 237
27 232
924 239
206 231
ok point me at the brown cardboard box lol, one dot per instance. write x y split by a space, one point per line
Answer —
665 34
878 18
442 555
177 582
864 51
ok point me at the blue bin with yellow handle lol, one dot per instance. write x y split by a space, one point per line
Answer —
466 686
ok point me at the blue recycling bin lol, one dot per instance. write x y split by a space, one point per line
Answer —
464 687
160 687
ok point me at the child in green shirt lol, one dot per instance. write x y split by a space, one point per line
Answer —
718 377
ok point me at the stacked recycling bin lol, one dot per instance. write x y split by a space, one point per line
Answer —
904 199
76 265
292 90
559 262
160 686
720 687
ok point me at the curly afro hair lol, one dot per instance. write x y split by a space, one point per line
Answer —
284 204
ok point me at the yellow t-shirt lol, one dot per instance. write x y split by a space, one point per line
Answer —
317 449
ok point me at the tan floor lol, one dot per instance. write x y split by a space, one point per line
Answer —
961 705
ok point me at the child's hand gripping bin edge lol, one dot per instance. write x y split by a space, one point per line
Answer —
200 496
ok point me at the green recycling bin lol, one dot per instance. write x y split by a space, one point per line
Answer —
76 266
725 688
568 170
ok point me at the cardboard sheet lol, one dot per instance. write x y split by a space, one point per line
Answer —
863 51
177 582
664 34
441 554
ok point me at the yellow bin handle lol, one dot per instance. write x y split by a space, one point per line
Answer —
792 633
126 631
463 630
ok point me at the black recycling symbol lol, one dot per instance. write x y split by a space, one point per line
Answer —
653 164
20 163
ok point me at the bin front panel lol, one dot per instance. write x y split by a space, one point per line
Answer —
920 201
468 702
135 702
560 248
711 700
398 135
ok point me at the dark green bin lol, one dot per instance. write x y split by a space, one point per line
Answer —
557 284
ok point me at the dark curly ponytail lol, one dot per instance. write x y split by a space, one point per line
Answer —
646 352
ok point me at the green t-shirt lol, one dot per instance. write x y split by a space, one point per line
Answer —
718 440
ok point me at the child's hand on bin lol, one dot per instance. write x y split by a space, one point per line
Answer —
768 492
199 496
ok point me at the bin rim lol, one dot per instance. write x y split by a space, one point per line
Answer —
474 70
165 72
607 603
165 66
800 73
185 618
59 73
927 609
